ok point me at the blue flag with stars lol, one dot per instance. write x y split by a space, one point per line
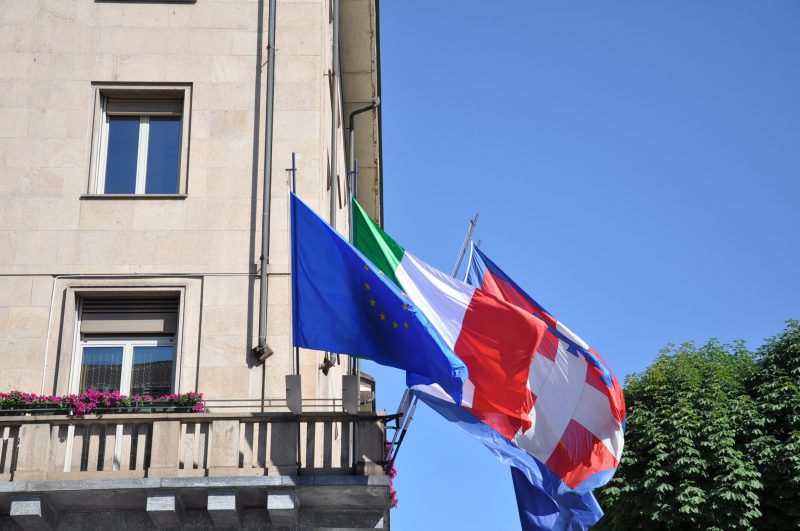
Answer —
342 303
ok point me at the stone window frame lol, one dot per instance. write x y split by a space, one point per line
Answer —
77 349
69 336
141 92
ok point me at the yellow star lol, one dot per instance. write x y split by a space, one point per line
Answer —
382 316
366 286
405 325
394 324
366 267
372 302
405 307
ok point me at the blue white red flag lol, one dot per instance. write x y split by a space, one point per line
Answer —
578 409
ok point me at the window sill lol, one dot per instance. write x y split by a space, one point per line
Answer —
133 196
147 1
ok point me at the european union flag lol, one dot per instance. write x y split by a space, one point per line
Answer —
342 303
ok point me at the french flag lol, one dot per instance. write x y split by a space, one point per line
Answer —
579 409
575 439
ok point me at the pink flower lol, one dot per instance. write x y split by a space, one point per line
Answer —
92 399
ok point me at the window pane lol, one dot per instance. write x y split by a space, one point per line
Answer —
163 153
101 369
152 371
123 151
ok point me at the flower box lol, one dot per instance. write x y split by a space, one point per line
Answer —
98 402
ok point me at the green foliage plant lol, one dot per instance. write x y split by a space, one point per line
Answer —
712 440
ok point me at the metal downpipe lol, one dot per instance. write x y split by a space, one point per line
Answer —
352 155
335 116
263 351
352 183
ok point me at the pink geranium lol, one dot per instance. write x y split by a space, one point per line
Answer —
92 400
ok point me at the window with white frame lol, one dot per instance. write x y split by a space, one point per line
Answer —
140 142
132 366
127 344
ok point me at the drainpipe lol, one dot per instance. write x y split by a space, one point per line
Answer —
355 365
352 157
334 114
263 351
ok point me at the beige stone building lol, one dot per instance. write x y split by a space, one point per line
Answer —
133 141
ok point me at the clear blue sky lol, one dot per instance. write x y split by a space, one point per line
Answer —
636 169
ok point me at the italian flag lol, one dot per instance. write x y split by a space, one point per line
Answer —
494 339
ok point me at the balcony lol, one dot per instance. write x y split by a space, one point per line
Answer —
310 470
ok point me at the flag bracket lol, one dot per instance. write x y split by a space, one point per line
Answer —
389 418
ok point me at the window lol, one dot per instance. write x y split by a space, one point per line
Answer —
133 366
140 141
127 345
140 147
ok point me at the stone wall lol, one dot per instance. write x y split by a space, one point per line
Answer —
51 54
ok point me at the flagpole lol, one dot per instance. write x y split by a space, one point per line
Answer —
472 223
293 185
469 260
408 404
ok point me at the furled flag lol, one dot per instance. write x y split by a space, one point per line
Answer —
495 339
342 303
578 414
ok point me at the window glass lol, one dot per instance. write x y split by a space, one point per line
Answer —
152 370
163 155
123 151
101 369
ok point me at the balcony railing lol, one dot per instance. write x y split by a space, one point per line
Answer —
8 450
47 447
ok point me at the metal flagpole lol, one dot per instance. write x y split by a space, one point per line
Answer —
355 366
472 223
408 404
469 260
293 169
293 184
354 195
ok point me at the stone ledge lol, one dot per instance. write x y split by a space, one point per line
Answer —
224 508
282 507
194 482
138 196
115 418
33 512
163 503
165 509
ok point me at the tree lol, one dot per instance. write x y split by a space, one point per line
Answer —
777 448
686 463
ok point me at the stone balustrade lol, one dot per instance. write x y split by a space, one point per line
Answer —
9 435
39 448
268 470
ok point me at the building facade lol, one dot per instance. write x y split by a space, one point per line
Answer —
133 143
